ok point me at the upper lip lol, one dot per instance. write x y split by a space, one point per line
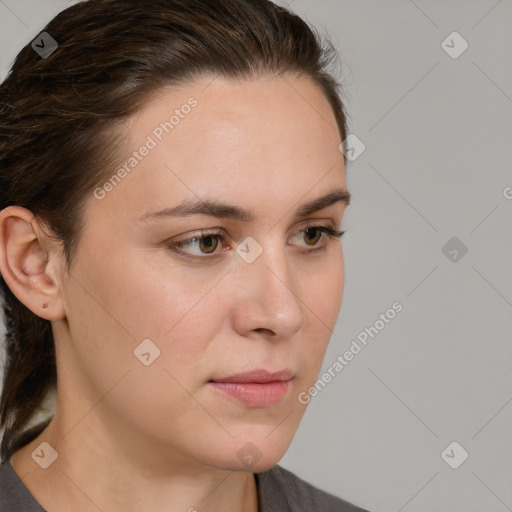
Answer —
259 376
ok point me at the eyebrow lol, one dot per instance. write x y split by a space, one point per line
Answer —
218 209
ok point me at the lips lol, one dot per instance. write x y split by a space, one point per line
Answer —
257 388
259 376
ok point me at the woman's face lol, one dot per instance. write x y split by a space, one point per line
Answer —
149 324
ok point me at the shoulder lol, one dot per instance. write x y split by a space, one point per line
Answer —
14 496
281 490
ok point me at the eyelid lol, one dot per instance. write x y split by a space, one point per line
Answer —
328 234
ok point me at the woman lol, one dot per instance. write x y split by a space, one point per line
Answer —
171 195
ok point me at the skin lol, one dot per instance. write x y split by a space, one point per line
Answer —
157 437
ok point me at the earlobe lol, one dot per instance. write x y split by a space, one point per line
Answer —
28 261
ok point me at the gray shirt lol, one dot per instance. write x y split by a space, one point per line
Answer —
279 490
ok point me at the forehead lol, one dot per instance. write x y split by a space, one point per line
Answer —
274 138
222 112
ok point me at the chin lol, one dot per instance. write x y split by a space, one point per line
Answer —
250 466
260 452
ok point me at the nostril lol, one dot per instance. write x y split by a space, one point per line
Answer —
264 331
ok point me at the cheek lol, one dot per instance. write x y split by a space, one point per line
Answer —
114 304
149 294
323 290
126 304
321 293
180 310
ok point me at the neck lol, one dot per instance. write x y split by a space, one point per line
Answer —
93 474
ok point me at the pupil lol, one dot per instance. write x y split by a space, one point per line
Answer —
210 244
309 230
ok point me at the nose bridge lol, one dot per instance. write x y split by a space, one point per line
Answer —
270 288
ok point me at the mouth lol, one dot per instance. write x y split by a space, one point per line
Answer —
256 388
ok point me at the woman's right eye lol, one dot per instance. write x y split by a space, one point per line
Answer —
206 243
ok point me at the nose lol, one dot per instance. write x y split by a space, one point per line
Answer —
268 302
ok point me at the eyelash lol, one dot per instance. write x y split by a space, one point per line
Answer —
328 232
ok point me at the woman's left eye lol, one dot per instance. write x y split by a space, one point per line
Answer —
209 242
318 232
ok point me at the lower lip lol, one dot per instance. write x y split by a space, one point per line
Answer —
253 394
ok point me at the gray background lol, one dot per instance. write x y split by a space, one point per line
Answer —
437 164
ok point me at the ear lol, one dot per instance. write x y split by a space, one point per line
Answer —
30 262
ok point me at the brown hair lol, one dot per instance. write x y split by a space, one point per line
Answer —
60 130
